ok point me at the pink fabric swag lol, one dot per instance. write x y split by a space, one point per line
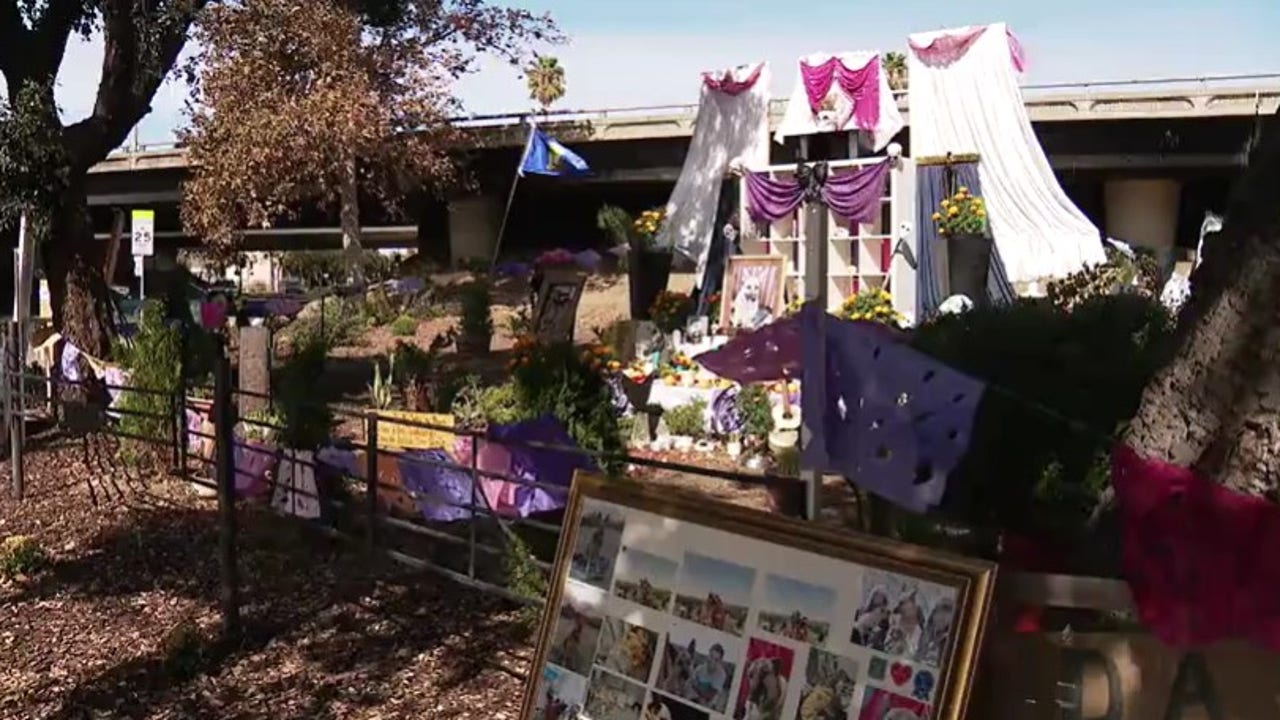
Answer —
726 83
948 48
861 86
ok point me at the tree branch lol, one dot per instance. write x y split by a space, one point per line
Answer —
131 75
53 29
14 39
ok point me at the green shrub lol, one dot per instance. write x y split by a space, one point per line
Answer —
404 326
688 420
261 426
558 382
302 401
154 364
1062 386
378 308
756 412
20 555
334 321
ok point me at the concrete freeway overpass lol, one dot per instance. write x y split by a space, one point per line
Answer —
1128 144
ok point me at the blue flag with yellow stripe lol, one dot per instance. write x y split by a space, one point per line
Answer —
544 155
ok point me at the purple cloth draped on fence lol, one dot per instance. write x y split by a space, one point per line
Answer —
861 86
441 493
254 460
543 465
854 196
888 417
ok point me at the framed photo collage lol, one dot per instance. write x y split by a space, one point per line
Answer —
665 606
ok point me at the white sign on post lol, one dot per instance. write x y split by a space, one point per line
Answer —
144 233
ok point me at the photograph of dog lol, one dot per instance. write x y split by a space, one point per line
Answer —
610 697
828 687
904 617
880 704
627 649
645 579
661 707
595 549
796 610
560 695
698 666
715 593
763 691
577 631
753 291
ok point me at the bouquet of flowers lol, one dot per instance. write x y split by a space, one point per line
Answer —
646 225
961 214
670 310
557 258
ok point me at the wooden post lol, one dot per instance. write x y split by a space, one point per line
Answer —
224 432
816 260
371 478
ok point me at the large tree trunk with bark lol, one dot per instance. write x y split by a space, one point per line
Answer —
74 265
1216 406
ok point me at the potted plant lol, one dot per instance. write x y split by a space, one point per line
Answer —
648 263
476 331
670 310
872 305
687 423
962 222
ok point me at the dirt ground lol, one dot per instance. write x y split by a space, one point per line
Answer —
121 624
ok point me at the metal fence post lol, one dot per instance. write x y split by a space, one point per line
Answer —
475 501
224 432
16 410
371 478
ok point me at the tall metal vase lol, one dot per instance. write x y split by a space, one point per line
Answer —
968 261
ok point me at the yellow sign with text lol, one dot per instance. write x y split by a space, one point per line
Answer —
402 429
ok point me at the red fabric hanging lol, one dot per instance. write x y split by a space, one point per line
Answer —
1200 558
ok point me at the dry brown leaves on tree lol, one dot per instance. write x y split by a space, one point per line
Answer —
286 93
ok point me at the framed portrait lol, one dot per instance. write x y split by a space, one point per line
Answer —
557 310
752 292
663 604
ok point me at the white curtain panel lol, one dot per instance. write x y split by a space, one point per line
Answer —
800 120
730 129
973 104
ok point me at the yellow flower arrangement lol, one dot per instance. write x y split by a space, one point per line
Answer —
670 310
872 305
961 214
647 224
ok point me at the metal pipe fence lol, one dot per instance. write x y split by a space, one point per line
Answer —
357 489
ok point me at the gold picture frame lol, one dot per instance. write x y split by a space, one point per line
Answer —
769 302
625 614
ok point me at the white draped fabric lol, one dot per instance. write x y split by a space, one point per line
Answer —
800 120
973 104
730 128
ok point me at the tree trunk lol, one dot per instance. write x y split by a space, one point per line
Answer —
73 263
1216 406
349 218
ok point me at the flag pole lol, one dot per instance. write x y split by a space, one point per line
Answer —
511 196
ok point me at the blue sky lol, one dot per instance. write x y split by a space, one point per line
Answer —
783 594
628 52
659 571
701 575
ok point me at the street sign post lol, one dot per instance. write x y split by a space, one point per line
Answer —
143 227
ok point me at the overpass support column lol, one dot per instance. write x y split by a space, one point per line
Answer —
1144 212
474 223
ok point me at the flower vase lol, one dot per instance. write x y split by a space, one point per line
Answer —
647 275
968 260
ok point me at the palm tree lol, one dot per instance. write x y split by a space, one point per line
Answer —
895 67
545 79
